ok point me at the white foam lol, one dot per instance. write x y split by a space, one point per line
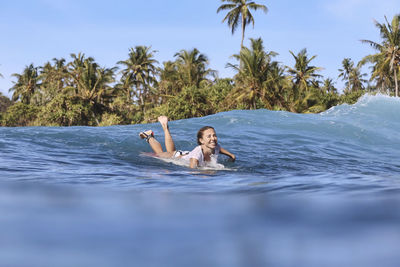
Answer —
212 165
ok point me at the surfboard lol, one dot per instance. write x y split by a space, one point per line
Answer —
184 163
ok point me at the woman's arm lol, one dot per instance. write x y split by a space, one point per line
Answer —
194 163
226 152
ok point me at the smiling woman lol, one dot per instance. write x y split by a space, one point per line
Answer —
205 153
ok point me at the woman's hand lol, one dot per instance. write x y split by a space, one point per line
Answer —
232 157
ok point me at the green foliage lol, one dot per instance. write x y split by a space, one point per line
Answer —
386 62
128 112
138 75
54 79
329 86
110 119
170 83
66 111
317 101
352 76
20 114
255 78
191 102
26 85
192 67
350 97
217 93
5 102
303 74
91 82
189 69
80 92
330 99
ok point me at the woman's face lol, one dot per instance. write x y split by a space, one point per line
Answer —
209 139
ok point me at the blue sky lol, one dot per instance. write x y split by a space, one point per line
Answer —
37 31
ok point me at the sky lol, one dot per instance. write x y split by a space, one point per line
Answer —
36 31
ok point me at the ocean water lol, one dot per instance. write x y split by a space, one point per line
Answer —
306 190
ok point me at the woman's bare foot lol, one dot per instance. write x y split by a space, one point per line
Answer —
163 121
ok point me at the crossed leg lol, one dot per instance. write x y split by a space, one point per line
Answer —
155 145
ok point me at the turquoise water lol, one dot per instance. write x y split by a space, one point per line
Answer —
306 190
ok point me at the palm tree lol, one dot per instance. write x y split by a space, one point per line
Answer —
388 56
54 79
303 74
239 13
344 73
329 86
139 73
278 85
192 67
169 82
304 82
253 73
92 82
381 74
75 70
26 85
356 79
352 75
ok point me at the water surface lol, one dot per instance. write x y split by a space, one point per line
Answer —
306 190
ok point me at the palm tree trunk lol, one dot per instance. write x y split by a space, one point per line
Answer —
142 103
395 83
243 29
241 44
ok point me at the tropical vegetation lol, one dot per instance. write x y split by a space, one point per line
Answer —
79 91
386 62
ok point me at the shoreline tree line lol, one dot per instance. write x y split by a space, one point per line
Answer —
139 89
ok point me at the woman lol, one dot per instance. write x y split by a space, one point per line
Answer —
206 151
